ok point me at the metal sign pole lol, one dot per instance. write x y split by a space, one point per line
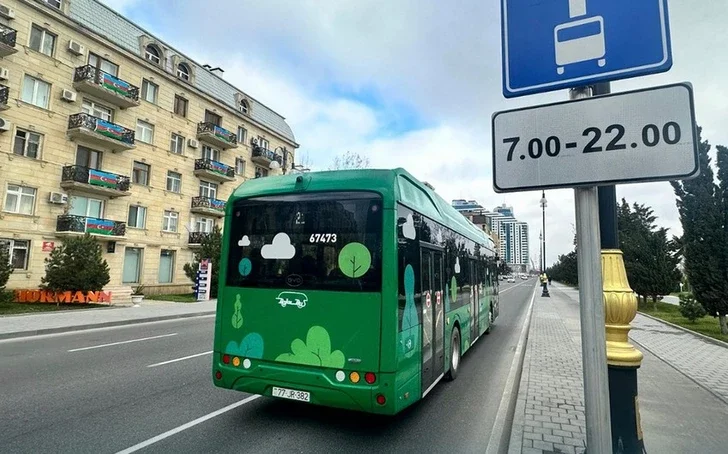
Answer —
593 341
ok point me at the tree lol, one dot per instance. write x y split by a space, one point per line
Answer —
651 260
349 160
565 269
690 308
504 269
210 248
77 265
6 268
704 217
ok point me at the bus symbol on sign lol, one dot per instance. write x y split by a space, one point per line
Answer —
292 299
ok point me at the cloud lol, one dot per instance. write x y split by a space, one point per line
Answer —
244 241
280 249
408 228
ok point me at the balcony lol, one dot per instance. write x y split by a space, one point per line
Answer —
4 96
94 181
100 132
264 157
216 136
7 41
89 79
69 225
196 238
208 205
213 170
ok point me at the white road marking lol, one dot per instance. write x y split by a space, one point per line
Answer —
122 342
180 359
517 285
184 427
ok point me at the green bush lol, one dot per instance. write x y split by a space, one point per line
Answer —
690 308
76 265
6 268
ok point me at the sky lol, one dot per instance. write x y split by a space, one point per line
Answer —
414 84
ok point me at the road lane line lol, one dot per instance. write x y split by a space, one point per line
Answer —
511 288
179 359
190 424
122 342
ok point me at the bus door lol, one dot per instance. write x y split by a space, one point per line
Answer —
433 347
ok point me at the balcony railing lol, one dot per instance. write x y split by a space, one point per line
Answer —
100 131
4 96
208 205
216 135
93 180
103 85
197 237
265 156
214 170
7 40
72 224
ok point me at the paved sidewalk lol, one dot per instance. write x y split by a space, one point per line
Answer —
677 416
79 319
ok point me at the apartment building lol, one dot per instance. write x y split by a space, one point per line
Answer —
106 129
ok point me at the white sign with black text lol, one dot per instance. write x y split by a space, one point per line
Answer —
637 136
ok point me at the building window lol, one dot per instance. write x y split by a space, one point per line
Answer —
41 40
131 273
97 110
208 190
20 199
260 172
144 131
183 71
54 3
137 217
27 144
244 107
263 143
86 206
170 221
209 153
149 91
18 252
242 135
87 157
140 173
152 53
103 64
211 117
240 166
174 181
180 105
177 144
166 266
36 92
204 225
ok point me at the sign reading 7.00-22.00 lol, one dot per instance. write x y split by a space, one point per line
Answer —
554 44
644 135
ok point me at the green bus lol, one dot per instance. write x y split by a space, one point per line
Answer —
357 289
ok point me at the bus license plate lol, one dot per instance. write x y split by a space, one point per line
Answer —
292 394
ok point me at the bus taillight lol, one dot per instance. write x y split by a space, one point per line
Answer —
226 359
218 375
381 400
370 377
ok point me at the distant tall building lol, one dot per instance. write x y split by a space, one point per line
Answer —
466 205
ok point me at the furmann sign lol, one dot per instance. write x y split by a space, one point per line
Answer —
47 296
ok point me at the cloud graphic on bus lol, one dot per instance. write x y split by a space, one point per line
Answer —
408 228
244 241
280 249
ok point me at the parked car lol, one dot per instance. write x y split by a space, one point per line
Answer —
511 280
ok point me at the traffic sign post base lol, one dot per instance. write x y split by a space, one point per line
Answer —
545 291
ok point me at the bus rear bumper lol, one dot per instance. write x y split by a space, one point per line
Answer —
321 384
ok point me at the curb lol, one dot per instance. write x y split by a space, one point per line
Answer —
500 435
69 329
720 343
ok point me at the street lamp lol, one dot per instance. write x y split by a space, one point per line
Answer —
543 202
275 165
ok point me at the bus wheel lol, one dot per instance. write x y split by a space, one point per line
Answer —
454 354
491 319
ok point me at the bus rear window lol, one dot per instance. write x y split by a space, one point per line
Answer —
321 241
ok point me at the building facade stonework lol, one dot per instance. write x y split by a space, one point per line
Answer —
107 130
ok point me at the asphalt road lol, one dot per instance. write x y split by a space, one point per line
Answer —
113 389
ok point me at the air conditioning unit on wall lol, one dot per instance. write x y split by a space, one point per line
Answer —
192 143
68 95
76 48
4 74
5 125
7 12
58 198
